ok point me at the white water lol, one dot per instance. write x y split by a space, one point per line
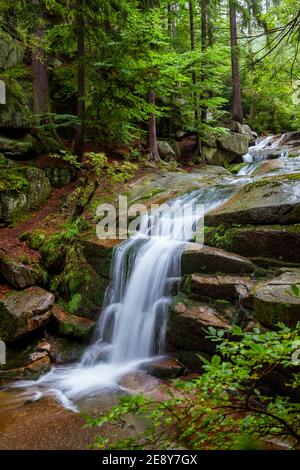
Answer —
132 326
145 271
270 147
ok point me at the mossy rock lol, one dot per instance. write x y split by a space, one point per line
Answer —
21 190
20 275
274 300
53 249
270 200
16 148
80 284
71 325
268 241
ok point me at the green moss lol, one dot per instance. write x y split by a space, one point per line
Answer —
74 304
12 180
8 326
220 237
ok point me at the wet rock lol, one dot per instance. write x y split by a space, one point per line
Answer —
30 372
274 300
268 241
198 259
290 138
139 382
165 368
71 325
64 350
187 329
267 201
24 312
218 287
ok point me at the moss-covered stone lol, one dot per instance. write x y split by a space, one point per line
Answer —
273 241
269 200
21 189
274 301
71 325
198 259
19 274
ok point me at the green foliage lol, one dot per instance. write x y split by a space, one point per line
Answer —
227 406
68 157
121 172
11 180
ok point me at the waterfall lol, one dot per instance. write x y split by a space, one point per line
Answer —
132 327
269 148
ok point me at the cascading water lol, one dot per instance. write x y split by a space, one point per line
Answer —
271 147
132 326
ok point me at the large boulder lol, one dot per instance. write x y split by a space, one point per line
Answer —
31 371
205 259
276 300
187 331
235 144
19 147
72 325
18 274
165 150
22 189
23 312
273 241
267 201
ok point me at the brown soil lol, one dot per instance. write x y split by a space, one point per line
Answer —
9 237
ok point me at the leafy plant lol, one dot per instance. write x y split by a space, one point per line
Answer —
229 404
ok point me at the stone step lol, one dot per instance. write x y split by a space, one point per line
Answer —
276 300
188 325
204 259
218 287
275 241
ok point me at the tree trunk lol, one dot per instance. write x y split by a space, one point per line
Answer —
237 110
194 79
203 49
152 140
39 70
79 137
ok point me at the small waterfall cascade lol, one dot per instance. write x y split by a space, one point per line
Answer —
145 273
132 326
269 148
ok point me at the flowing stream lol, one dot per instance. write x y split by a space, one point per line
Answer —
145 271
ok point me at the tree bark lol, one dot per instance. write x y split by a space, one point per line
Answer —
203 49
39 69
194 79
237 110
79 137
152 140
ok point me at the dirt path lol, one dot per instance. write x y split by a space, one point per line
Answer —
9 237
